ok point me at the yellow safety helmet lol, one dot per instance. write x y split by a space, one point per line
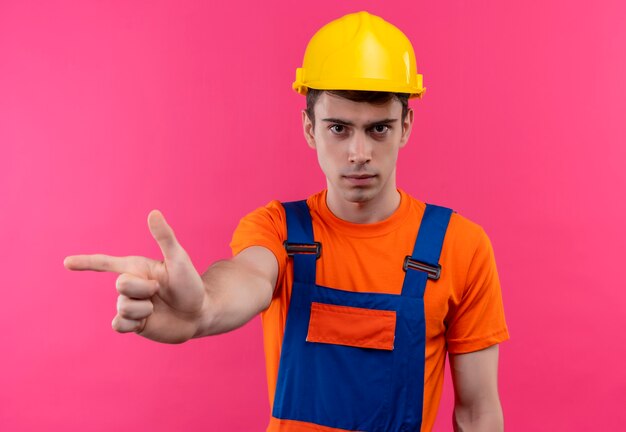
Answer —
359 51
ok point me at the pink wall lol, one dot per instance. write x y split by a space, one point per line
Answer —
111 109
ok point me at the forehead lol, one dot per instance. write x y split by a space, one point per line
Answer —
336 107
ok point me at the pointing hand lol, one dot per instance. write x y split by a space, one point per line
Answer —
160 300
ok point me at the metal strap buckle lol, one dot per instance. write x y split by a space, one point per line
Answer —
433 272
303 248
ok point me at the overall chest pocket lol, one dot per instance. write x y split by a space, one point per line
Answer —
352 326
349 354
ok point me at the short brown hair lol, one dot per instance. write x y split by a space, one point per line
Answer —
373 97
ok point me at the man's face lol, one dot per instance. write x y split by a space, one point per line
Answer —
357 146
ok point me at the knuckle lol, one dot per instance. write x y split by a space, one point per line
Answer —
102 261
120 282
141 326
116 325
123 307
125 311
153 288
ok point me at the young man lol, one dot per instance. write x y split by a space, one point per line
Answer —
362 288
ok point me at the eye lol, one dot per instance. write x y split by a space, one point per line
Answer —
337 129
380 129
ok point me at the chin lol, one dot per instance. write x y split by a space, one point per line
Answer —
359 195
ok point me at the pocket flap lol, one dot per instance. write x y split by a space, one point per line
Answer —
352 326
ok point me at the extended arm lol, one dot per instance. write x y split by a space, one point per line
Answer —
477 404
237 289
168 301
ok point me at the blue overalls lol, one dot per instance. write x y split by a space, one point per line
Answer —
346 384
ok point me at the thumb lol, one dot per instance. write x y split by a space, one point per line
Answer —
163 234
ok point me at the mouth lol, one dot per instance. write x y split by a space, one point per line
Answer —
360 179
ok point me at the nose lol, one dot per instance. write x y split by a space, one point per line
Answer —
359 150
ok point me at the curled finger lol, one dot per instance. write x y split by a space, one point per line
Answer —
136 287
123 325
133 309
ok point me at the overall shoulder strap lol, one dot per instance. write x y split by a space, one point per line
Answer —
299 224
300 244
423 264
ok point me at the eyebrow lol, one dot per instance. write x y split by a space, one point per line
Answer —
367 125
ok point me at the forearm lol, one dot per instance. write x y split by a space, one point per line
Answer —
234 294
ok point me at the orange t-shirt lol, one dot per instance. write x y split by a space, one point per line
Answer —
463 309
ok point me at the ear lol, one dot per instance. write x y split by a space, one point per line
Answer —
407 125
307 128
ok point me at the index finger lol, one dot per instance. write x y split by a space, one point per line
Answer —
97 262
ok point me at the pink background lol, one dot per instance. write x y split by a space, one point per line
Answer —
111 109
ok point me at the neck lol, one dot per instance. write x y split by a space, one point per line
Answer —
374 210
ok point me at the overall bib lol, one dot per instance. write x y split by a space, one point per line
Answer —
353 360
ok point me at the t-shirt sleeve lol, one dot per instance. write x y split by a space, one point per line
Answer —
478 319
265 227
